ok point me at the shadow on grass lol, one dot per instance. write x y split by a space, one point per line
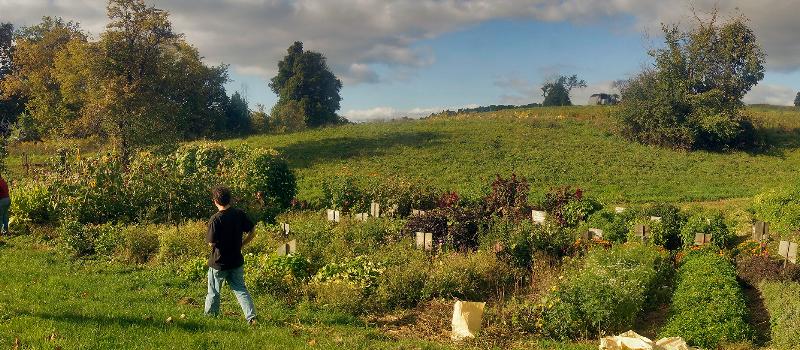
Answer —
127 321
307 153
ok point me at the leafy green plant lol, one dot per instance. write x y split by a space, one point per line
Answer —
782 300
708 308
712 223
193 270
471 276
606 295
78 239
281 276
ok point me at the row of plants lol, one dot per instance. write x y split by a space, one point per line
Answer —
708 308
782 301
156 186
604 293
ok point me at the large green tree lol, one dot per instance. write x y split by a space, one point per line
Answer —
797 100
33 79
692 97
11 104
237 115
304 84
556 91
141 83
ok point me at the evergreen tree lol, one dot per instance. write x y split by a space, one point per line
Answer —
797 100
306 85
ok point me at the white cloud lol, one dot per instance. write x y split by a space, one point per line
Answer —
388 113
771 94
356 35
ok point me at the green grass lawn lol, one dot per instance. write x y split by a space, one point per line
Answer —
49 301
550 146
101 305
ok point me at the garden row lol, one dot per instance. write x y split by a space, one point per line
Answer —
157 187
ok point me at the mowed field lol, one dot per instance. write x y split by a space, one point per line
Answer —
572 146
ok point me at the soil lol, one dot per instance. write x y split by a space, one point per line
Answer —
759 316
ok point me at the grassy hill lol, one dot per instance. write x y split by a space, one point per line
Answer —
550 146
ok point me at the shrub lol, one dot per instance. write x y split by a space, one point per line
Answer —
607 295
782 300
692 98
402 285
508 197
780 208
753 269
280 276
182 242
78 239
708 308
194 269
32 204
471 276
161 188
569 207
667 232
343 193
707 223
614 225
359 271
107 240
404 194
139 244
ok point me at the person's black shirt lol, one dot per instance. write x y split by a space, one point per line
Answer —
225 230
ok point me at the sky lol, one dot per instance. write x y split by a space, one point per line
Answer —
414 57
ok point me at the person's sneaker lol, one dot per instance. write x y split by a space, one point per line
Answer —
252 322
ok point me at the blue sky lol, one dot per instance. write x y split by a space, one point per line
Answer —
401 57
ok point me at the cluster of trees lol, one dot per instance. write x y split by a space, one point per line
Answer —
692 97
141 82
556 91
797 100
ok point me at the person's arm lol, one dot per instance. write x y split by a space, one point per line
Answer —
248 237
249 229
211 235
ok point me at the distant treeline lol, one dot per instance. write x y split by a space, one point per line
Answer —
482 109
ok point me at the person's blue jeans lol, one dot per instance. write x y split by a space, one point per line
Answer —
5 203
235 279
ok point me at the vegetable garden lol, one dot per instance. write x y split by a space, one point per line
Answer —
541 280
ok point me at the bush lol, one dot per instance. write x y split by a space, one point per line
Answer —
508 197
404 194
614 225
182 242
708 308
707 223
107 240
280 276
78 239
782 300
692 98
569 207
473 276
345 286
139 244
612 289
193 270
781 208
402 285
753 269
161 188
32 204
667 232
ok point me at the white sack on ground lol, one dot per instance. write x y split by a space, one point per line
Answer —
467 318
631 340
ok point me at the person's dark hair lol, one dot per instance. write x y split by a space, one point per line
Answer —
221 195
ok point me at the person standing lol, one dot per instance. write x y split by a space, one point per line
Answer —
5 204
228 231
